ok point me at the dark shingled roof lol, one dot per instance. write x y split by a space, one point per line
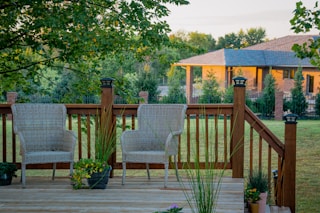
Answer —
272 53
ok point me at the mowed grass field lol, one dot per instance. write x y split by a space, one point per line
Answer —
308 162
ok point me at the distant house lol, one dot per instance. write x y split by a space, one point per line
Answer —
254 63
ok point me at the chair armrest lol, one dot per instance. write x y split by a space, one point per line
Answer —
69 140
23 148
171 145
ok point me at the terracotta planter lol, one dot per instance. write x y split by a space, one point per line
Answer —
254 207
263 202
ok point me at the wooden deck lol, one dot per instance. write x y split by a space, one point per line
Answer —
138 195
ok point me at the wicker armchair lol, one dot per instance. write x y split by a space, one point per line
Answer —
43 136
157 137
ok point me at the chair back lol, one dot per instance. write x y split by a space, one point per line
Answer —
41 125
157 121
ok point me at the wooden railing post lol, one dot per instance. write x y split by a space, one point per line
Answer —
237 146
289 172
106 104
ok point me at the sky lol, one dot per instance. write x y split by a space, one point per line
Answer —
221 17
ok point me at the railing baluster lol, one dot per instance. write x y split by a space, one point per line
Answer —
4 138
260 153
79 137
251 150
188 139
88 126
225 138
216 141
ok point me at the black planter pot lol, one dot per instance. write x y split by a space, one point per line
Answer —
5 179
99 180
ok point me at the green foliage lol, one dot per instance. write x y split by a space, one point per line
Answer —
252 195
228 95
317 104
298 104
176 93
35 35
303 21
205 186
254 36
241 39
146 82
258 180
8 168
105 146
268 95
210 89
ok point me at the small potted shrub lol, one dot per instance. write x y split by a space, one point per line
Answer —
259 181
7 171
97 170
252 195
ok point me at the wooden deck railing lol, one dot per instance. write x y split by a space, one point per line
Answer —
228 135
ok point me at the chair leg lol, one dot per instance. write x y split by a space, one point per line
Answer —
176 164
123 172
148 171
166 168
54 170
23 175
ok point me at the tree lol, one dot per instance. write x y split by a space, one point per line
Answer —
176 93
39 34
242 39
210 90
317 105
146 82
298 104
201 41
303 21
254 36
268 95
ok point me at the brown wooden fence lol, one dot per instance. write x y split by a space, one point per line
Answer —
228 135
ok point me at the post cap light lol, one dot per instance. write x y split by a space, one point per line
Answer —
291 118
106 82
239 81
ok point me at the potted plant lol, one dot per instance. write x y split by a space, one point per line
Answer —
252 195
97 170
7 171
259 180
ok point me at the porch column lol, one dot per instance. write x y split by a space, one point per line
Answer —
189 85
106 103
278 112
289 172
237 146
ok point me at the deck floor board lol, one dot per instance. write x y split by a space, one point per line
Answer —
139 195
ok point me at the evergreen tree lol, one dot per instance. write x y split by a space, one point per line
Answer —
317 106
210 90
146 82
176 93
298 104
268 95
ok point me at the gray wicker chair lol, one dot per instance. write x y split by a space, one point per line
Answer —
159 127
43 136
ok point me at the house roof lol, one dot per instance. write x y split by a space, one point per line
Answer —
271 53
282 44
